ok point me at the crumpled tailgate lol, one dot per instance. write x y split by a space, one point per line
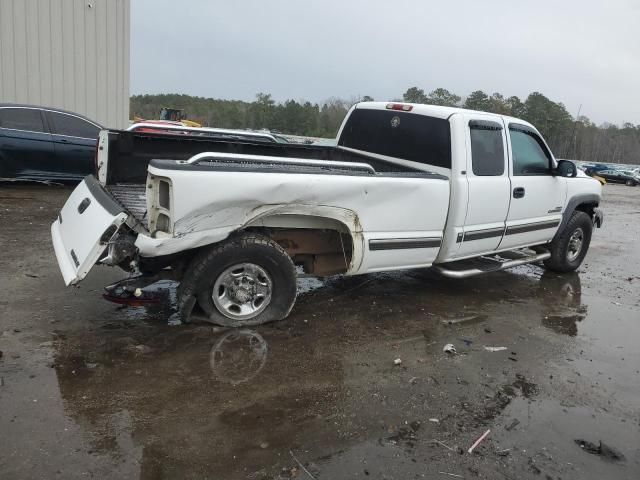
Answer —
86 223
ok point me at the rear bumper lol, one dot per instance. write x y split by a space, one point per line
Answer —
65 262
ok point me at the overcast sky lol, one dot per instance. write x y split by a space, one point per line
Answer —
574 51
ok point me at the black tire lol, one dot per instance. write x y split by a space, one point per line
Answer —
564 256
630 183
249 249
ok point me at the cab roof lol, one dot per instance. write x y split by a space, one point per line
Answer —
438 111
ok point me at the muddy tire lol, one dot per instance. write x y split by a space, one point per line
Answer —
569 248
247 280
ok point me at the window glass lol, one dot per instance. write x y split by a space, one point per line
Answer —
72 126
487 152
21 119
529 157
408 136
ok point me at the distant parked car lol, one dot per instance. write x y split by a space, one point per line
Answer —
39 143
619 176
592 170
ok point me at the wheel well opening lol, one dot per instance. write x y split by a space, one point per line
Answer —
587 208
319 251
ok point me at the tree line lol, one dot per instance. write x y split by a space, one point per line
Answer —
569 137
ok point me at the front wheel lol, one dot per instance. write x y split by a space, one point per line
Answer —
245 281
569 248
631 183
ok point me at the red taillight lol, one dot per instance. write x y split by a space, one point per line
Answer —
399 106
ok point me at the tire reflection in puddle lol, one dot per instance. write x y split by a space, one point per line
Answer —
238 356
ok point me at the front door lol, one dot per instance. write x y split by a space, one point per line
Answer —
489 186
537 196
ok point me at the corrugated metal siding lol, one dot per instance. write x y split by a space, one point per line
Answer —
70 54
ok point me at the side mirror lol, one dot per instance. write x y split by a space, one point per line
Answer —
566 168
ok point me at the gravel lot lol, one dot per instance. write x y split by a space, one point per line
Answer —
92 390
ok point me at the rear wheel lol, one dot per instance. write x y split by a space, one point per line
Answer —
245 281
569 248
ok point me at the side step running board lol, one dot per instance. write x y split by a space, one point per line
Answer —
492 265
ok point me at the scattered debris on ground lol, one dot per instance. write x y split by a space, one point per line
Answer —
468 319
601 449
514 423
478 441
494 349
449 348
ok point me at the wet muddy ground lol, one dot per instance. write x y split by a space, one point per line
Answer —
92 390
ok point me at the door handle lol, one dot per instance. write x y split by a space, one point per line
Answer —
518 192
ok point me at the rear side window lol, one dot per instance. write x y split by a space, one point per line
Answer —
72 126
530 156
487 151
21 119
396 134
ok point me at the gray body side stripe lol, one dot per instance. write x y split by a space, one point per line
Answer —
403 243
512 230
531 227
482 234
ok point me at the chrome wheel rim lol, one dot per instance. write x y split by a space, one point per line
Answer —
242 291
575 244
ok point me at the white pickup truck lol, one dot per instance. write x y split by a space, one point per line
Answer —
406 186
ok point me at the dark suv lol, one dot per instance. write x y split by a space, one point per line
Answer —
39 143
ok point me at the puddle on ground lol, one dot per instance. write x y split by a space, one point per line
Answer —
308 283
563 324
238 356
324 383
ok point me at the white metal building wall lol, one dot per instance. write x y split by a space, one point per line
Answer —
69 54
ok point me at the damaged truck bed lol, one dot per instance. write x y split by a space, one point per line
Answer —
407 186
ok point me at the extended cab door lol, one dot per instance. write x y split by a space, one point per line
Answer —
74 141
488 182
537 196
